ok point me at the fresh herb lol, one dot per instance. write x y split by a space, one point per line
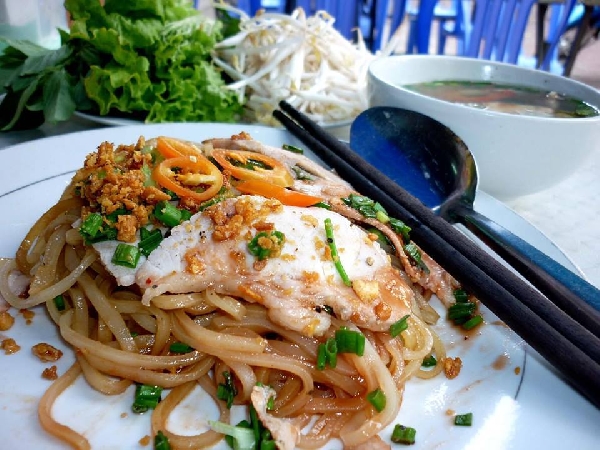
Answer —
168 214
149 240
377 399
349 341
302 174
322 205
292 148
414 253
429 361
150 60
180 347
59 302
265 245
334 252
403 435
146 397
161 442
461 296
327 354
463 420
473 322
227 391
126 255
372 209
399 326
240 437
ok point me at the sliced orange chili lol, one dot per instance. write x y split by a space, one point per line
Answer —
270 190
172 148
192 172
245 165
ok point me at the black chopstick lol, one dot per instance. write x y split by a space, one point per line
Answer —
561 340
566 299
560 295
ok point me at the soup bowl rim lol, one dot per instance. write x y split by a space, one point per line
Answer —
376 72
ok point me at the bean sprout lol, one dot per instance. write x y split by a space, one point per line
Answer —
301 59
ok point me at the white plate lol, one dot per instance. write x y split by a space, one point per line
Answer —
531 409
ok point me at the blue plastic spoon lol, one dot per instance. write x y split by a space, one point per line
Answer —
432 163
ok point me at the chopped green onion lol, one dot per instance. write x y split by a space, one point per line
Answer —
59 302
261 252
222 195
322 205
167 214
399 326
243 437
377 399
126 255
149 240
327 354
334 252
382 217
161 442
472 322
114 216
292 148
349 341
180 347
255 422
271 403
400 228
302 174
91 225
146 397
321 357
227 391
429 361
185 215
461 296
403 435
463 420
461 310
414 253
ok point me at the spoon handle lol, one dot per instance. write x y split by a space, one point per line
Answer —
550 277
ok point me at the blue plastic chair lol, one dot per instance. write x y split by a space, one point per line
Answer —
351 15
561 18
499 27
451 19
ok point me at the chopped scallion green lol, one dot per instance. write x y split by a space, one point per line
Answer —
227 391
403 435
461 296
167 214
161 442
243 437
146 397
255 247
59 302
180 347
461 310
463 420
334 252
91 225
292 148
472 322
377 399
149 240
322 205
429 361
126 255
350 341
414 253
399 326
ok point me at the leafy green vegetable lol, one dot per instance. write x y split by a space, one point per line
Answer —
148 59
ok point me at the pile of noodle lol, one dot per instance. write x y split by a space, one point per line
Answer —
227 334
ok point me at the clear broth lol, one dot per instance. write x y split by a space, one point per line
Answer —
506 98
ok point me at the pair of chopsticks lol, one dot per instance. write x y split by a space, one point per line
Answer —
562 339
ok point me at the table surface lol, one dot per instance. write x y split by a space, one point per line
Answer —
568 213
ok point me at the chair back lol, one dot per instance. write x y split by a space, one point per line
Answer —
498 29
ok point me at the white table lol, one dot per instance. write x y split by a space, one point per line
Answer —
569 214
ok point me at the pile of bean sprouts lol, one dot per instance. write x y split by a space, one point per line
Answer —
299 58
